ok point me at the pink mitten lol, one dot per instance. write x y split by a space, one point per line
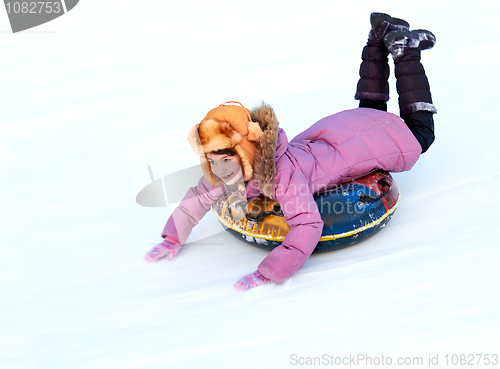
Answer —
168 248
250 281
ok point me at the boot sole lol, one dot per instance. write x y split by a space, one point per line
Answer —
421 39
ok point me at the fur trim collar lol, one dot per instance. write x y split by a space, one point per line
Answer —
264 163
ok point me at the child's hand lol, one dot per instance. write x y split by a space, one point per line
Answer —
168 248
250 281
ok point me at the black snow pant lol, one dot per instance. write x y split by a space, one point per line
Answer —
415 101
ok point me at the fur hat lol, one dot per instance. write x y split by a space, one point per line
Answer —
226 127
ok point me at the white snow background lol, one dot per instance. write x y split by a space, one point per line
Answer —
87 100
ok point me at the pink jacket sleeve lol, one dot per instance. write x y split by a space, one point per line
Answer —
302 215
192 208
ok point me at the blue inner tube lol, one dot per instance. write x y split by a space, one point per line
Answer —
351 213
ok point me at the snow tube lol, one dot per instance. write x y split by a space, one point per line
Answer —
351 213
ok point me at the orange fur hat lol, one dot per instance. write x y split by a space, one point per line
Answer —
226 127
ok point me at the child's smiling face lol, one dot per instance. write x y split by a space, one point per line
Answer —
226 167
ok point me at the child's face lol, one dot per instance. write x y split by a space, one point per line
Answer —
226 167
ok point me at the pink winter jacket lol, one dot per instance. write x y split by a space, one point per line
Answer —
336 149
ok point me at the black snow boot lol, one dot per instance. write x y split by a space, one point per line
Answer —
383 23
415 100
373 87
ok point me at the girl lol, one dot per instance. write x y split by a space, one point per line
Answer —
248 152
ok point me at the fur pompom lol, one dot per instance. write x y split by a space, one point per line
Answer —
254 131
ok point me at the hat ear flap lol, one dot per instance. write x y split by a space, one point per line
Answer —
254 131
194 140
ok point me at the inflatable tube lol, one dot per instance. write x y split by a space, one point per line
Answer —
351 213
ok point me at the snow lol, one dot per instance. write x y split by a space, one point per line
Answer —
90 99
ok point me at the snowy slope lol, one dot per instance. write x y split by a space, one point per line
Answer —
90 99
